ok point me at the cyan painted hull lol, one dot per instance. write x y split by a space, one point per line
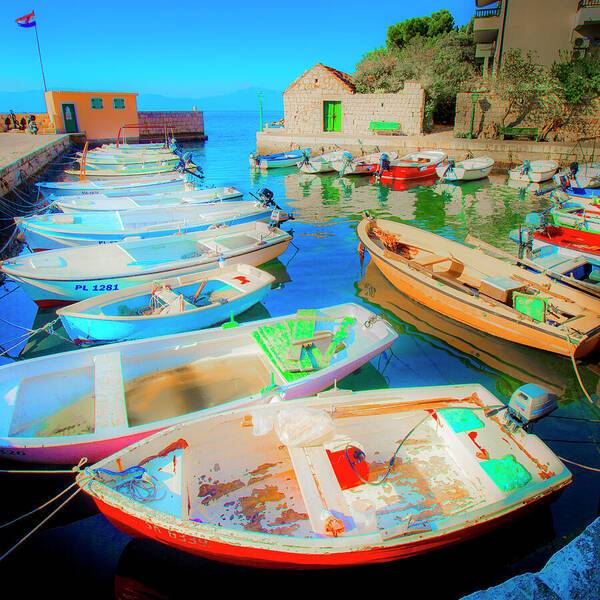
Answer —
174 182
89 330
39 240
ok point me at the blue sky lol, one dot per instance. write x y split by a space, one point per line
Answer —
193 48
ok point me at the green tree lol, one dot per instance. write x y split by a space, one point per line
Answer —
440 22
400 34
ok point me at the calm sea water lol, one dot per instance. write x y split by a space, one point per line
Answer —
80 554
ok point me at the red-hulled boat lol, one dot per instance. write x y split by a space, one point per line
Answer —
417 165
574 239
332 481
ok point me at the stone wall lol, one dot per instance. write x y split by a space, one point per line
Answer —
489 111
303 109
42 119
186 125
30 163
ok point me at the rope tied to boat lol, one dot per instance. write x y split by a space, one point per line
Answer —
77 469
137 483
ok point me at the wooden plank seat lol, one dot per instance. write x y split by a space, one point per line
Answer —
172 303
318 484
109 395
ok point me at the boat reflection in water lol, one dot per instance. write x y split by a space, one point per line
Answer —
517 364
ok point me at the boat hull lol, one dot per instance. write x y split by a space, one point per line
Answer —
84 329
102 202
76 188
515 331
48 293
40 240
462 174
273 557
370 341
531 177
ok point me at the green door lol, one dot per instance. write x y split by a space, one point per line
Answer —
332 115
70 118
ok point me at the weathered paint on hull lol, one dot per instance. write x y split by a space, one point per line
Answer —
512 330
271 558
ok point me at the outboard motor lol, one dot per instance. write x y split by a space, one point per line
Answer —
384 163
526 168
574 169
564 182
266 196
529 403
525 243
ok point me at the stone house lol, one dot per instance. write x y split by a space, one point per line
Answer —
323 101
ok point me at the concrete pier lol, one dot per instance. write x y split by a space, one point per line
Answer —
505 153
23 155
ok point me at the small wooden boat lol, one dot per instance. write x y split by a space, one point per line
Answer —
514 362
465 170
564 266
416 165
93 402
362 165
124 186
51 231
73 274
589 195
140 163
586 175
278 160
534 171
187 303
481 291
102 202
333 481
570 242
125 157
94 172
581 218
141 147
319 164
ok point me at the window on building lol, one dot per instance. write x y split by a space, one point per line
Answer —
118 103
97 103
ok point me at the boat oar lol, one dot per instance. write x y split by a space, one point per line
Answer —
199 290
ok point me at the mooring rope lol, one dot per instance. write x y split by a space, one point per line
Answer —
575 368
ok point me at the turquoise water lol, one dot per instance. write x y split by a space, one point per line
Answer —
324 269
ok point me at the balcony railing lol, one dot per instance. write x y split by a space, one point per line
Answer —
588 4
489 12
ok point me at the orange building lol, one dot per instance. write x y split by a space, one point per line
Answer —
98 115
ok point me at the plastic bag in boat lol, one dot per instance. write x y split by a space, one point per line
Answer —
300 426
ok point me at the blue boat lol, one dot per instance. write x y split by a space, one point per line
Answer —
60 230
187 303
281 159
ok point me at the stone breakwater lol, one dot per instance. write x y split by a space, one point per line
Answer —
22 156
186 125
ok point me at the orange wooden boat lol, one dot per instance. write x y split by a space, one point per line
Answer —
481 291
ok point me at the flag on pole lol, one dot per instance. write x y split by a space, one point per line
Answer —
27 20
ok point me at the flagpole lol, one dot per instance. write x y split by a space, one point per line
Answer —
37 39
